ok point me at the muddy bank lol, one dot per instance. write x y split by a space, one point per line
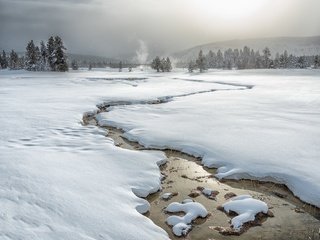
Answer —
293 219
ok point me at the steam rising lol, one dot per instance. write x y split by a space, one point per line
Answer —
142 53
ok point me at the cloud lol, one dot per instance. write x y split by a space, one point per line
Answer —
114 27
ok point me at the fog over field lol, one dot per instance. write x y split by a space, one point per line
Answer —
114 27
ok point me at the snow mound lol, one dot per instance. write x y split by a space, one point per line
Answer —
246 207
209 193
192 210
187 200
181 229
168 196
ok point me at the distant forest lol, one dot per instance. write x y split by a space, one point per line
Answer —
51 56
247 58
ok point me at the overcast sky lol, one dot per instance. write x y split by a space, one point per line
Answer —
115 27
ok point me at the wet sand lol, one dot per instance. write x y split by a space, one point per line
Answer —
293 219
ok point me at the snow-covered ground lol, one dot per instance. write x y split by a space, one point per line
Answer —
62 180
269 132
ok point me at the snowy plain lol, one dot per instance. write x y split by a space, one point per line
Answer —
62 180
268 131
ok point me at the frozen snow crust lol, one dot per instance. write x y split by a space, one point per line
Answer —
266 126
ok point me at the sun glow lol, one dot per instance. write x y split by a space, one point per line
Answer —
232 9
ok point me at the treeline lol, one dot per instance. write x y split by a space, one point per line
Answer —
12 61
101 64
46 57
247 58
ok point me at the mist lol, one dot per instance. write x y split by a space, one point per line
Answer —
144 27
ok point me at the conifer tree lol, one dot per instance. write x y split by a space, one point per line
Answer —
13 60
219 59
60 62
201 62
51 53
191 66
245 57
211 60
301 62
156 64
317 61
163 65
120 66
38 58
43 57
31 58
4 63
258 61
266 57
74 65
168 66
21 62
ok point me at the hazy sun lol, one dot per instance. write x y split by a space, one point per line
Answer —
232 9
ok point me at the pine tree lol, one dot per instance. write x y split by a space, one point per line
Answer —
163 65
191 66
168 66
201 62
276 61
156 64
266 57
301 62
284 59
31 57
220 59
211 63
258 60
120 66
21 62
90 67
245 57
4 62
252 60
38 58
236 55
317 61
74 65
43 57
60 57
228 65
13 60
51 53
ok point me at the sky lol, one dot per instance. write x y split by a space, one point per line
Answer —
120 27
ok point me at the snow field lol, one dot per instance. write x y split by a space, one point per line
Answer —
269 131
62 180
